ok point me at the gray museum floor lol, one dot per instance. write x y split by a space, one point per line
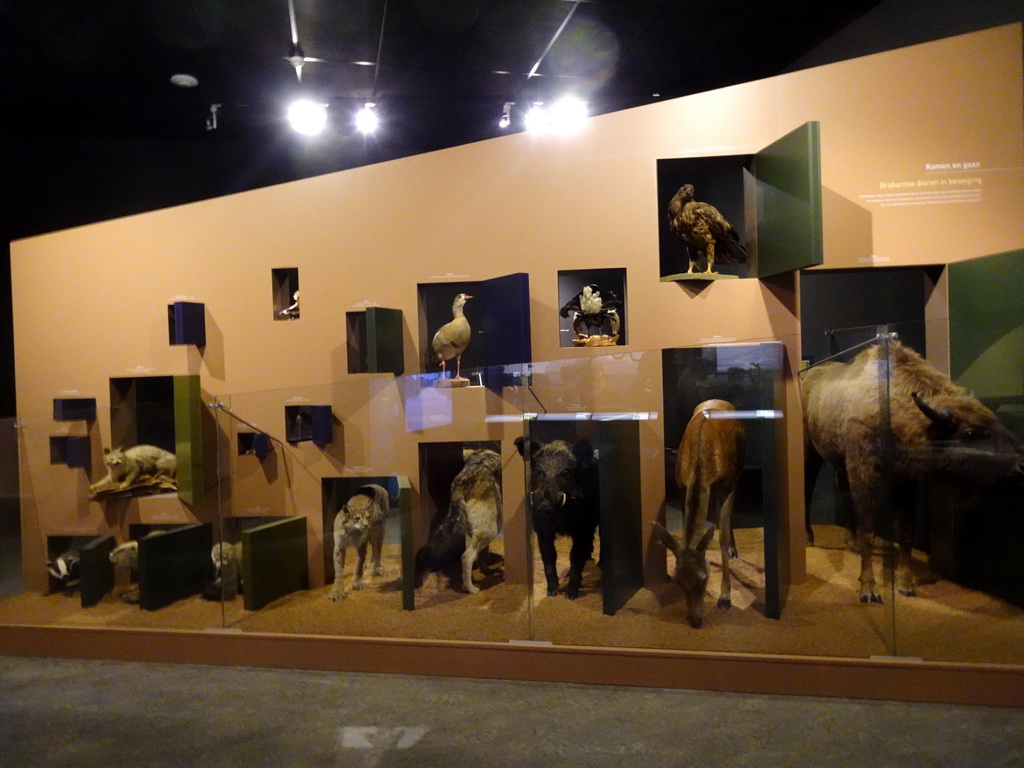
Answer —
99 713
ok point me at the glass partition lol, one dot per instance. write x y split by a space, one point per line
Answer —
648 499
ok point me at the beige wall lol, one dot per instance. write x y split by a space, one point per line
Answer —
90 303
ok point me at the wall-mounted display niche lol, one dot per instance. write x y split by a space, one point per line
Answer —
167 412
771 200
73 450
256 444
746 377
285 293
309 423
397 551
593 307
614 479
186 323
498 333
81 562
374 341
74 409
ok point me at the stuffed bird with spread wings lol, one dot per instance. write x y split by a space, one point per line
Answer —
703 230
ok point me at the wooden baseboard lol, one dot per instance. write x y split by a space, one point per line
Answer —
880 678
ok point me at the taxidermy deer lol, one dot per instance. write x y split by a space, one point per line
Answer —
708 468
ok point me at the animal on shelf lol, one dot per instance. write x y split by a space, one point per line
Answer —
359 522
563 500
708 468
452 338
141 465
934 428
590 310
704 231
292 311
472 522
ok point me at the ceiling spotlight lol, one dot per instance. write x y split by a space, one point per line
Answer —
506 115
366 119
307 117
568 115
184 81
536 119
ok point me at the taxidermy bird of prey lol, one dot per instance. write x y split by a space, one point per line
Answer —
452 338
589 310
703 230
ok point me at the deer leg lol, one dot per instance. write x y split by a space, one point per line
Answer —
728 546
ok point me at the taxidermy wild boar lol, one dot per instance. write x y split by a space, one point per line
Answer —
937 427
359 521
564 501
473 520
125 466
708 468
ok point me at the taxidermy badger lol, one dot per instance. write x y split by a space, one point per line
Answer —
471 523
126 465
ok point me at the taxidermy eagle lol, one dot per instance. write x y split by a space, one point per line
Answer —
703 230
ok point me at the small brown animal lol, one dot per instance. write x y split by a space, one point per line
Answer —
708 467
359 521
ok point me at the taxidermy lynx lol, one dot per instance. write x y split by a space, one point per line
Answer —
359 521
126 465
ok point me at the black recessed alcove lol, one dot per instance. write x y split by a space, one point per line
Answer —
186 323
254 444
499 317
374 341
142 412
610 282
309 423
284 286
74 451
74 409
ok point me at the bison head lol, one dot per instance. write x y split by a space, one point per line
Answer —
965 438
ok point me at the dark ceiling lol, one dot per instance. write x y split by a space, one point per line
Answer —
439 70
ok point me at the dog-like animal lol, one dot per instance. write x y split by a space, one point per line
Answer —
359 522
126 465
473 520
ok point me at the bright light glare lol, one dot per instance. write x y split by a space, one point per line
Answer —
307 117
536 119
366 120
568 115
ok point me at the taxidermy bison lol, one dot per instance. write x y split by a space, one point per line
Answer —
708 468
937 428
563 500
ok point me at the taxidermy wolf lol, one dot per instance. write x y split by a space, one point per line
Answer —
359 521
473 520
126 465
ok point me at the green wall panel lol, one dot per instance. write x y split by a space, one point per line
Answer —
188 438
274 561
789 231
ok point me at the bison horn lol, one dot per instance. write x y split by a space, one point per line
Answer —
564 499
941 416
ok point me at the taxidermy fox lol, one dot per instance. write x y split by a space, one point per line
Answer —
126 465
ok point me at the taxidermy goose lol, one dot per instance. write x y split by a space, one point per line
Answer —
452 338
701 228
